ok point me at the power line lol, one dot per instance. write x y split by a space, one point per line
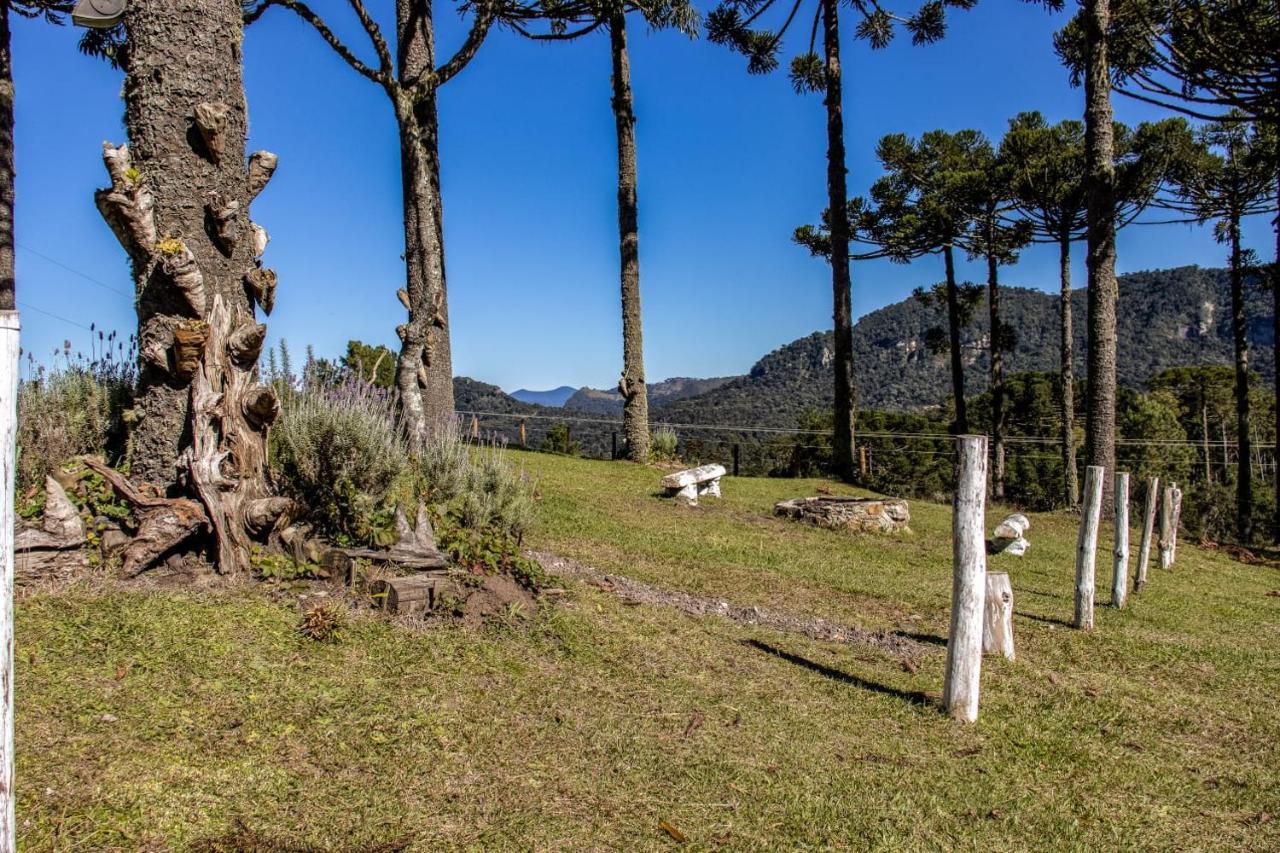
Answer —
30 307
74 271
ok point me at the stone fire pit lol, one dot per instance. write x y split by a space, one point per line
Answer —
862 515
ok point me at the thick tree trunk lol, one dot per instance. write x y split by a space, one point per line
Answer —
424 372
7 291
1204 435
1275 320
961 424
179 204
1239 331
997 374
842 447
1070 479
1100 424
635 394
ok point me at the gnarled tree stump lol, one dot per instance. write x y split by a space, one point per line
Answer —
864 515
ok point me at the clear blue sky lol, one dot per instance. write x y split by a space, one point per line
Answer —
729 165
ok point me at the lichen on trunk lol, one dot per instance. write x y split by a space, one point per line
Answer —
179 202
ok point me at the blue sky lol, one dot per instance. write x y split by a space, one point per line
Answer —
729 164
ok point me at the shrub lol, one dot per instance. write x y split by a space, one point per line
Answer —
663 444
77 407
338 449
559 439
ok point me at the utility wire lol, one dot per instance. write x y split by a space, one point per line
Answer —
50 314
74 271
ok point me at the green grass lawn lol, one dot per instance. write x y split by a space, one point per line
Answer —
203 720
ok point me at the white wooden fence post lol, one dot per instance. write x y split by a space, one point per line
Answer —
1148 529
1177 524
1166 528
997 620
9 328
1120 572
1087 547
962 682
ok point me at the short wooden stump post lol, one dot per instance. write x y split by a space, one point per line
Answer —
962 682
1087 548
1166 528
997 619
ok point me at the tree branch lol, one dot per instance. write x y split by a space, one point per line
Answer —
303 11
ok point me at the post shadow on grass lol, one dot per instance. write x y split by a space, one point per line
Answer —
1048 620
912 697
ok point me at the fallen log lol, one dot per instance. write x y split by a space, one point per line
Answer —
413 594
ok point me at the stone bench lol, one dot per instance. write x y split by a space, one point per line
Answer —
691 484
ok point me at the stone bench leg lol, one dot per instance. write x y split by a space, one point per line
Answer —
689 494
710 488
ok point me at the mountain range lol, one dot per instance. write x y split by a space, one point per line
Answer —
1166 318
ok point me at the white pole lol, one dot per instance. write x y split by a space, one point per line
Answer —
1166 528
968 579
1120 573
9 328
1087 547
1148 529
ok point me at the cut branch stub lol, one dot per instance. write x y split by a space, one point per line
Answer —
127 205
211 121
261 515
245 344
180 265
261 406
224 216
262 165
260 239
189 339
262 284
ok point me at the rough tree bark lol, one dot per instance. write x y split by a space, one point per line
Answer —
1070 479
997 371
635 394
1239 335
961 424
424 372
6 164
1100 424
841 281
179 204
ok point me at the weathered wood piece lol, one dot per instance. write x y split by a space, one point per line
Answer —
997 619
862 515
1009 537
962 681
1148 528
691 484
414 549
1166 528
1087 548
1177 524
406 595
61 528
9 350
1120 568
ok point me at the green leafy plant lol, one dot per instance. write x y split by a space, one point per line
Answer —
664 444
281 567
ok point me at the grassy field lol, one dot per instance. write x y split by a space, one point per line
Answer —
195 720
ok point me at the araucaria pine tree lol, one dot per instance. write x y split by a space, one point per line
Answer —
179 202
740 25
1225 177
411 81
565 21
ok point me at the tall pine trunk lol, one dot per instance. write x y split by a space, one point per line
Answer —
997 371
1239 332
1067 391
1100 423
7 172
179 204
635 394
961 424
842 447
1275 320
424 371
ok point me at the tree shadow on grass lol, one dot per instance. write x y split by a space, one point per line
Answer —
912 697
1040 592
1048 620
931 639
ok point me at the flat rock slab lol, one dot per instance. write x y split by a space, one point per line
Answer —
862 515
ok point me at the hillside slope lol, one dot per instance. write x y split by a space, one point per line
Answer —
609 401
1166 318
